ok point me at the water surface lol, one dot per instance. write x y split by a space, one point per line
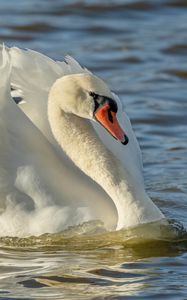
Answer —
140 49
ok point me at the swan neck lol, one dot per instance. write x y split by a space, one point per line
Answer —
79 140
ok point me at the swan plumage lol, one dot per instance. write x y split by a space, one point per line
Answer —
37 173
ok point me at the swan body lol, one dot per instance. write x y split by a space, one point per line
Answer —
56 150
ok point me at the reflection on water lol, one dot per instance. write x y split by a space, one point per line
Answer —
109 273
81 263
139 48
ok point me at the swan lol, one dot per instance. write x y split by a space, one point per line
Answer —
70 143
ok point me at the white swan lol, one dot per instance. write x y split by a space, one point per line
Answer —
40 169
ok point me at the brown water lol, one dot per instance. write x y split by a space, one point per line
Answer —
140 49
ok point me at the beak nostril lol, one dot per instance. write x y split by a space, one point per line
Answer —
110 117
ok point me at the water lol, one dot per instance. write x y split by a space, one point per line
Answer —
139 48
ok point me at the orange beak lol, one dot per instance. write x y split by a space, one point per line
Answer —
107 118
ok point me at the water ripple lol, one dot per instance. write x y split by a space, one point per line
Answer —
140 49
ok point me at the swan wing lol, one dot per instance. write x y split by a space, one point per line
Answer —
32 76
36 193
34 73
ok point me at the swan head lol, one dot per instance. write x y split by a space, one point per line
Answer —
89 97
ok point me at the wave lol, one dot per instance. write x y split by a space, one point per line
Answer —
93 235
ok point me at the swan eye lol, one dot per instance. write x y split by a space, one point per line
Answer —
94 95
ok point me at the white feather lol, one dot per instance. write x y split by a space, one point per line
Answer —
36 193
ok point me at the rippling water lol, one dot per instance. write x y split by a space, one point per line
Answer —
140 49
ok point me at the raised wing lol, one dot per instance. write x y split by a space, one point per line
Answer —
34 73
36 193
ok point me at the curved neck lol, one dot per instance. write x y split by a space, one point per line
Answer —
80 142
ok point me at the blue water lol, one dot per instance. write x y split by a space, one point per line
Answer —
140 49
